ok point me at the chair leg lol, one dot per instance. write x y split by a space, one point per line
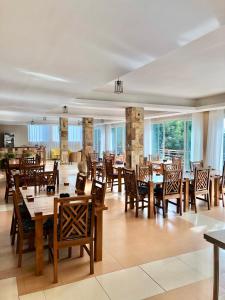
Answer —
55 265
69 252
112 184
126 198
20 250
91 258
164 208
81 251
180 206
208 201
223 198
7 195
195 204
136 214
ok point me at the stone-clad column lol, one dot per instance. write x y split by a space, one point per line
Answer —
87 124
63 135
134 136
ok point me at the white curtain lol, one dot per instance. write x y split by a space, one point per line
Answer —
214 153
147 138
197 137
108 138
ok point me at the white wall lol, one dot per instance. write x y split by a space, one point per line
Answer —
20 132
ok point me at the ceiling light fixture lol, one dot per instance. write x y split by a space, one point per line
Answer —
65 109
118 86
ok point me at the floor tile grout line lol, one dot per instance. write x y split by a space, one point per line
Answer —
153 279
102 288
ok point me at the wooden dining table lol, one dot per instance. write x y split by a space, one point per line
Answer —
188 177
42 208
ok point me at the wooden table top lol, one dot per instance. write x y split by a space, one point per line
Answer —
44 203
216 237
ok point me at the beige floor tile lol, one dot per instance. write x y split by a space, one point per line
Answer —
171 273
132 284
88 289
33 296
8 289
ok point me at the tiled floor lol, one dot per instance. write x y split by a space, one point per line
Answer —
142 259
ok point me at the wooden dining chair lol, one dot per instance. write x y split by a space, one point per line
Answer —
171 167
9 185
80 184
98 190
46 178
94 156
111 173
25 229
136 191
73 226
171 189
196 164
200 187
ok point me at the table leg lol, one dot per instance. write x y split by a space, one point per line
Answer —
216 190
119 180
98 236
151 200
216 274
212 192
39 243
186 194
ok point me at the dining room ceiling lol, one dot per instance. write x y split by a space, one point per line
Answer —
55 53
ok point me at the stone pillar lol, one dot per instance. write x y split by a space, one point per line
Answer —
63 135
87 124
134 136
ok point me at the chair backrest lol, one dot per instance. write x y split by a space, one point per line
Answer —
177 160
80 183
108 155
144 171
196 164
172 183
55 166
130 182
98 190
24 161
201 179
46 178
73 218
16 200
108 167
171 167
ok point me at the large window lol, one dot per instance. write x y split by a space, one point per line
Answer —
172 138
97 140
118 139
48 135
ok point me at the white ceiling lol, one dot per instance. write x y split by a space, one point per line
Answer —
55 52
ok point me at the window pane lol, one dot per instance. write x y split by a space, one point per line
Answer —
174 138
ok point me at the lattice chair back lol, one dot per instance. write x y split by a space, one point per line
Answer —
80 183
75 219
24 161
172 183
144 171
177 160
46 178
171 167
130 182
201 180
196 164
98 190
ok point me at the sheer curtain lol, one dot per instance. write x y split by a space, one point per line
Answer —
214 152
48 135
197 137
147 138
108 137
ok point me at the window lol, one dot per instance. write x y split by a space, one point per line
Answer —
97 140
118 139
172 138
